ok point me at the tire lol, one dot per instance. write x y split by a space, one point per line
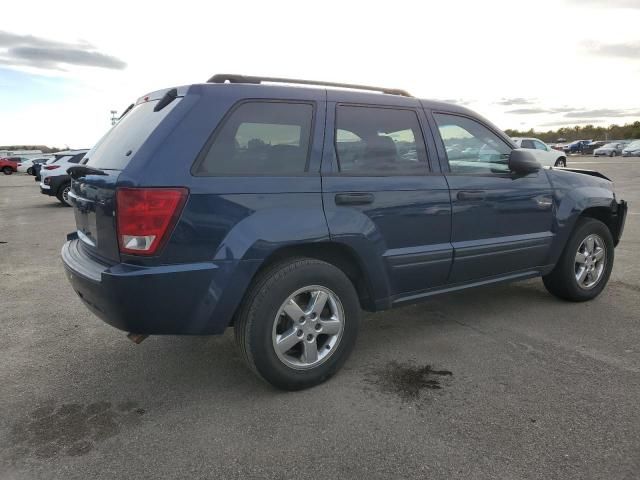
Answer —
63 193
7 170
261 323
561 162
30 170
563 282
613 154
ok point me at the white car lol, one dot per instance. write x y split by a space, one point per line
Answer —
27 163
547 156
54 179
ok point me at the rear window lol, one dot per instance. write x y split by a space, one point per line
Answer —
115 149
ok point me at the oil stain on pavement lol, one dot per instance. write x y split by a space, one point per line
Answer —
71 429
407 381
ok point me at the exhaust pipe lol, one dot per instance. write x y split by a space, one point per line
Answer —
136 338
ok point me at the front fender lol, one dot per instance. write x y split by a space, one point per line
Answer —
573 194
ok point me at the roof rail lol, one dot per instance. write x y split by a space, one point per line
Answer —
232 78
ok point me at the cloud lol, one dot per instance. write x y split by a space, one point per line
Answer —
515 101
603 112
614 50
528 111
608 3
28 50
572 122
457 101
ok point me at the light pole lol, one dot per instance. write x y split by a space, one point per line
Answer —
114 117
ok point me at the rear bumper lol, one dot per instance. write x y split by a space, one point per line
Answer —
195 298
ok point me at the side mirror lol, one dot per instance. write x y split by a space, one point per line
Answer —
523 162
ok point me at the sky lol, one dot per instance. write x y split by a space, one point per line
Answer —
65 65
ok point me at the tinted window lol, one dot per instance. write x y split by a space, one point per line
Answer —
261 138
110 153
471 147
527 144
379 141
77 158
539 145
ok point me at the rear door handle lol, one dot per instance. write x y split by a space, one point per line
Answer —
354 198
471 195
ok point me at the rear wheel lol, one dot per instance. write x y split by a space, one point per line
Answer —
63 194
298 323
613 154
585 265
7 170
30 170
561 162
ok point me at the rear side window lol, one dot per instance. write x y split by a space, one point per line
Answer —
379 141
527 144
115 149
261 138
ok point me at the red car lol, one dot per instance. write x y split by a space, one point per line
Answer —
9 165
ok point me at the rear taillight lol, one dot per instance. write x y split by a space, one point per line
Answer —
146 216
51 167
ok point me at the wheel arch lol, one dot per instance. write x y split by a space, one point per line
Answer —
337 254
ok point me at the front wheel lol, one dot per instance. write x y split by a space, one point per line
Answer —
7 170
585 265
561 162
613 154
298 323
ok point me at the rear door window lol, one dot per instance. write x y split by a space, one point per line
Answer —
260 138
379 141
116 148
527 144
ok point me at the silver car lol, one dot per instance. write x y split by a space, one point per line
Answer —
632 150
609 150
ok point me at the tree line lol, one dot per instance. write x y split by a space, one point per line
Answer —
628 131
43 148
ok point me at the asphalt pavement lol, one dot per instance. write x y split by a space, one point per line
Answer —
500 382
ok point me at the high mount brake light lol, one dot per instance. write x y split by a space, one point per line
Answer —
145 217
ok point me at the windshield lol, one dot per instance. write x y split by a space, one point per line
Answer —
633 145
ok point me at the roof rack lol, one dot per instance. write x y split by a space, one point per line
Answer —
232 78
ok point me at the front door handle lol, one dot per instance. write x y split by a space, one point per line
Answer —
354 198
471 195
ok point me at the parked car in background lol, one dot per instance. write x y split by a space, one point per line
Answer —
576 147
632 149
9 165
590 147
51 160
28 164
609 150
558 146
547 156
54 179
292 208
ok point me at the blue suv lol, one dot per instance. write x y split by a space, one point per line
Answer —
282 211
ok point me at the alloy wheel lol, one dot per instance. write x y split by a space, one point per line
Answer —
308 327
590 261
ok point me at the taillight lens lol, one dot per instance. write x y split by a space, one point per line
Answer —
146 216
51 167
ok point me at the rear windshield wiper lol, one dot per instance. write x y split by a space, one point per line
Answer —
80 171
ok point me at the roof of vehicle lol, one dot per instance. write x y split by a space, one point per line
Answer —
526 138
359 93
